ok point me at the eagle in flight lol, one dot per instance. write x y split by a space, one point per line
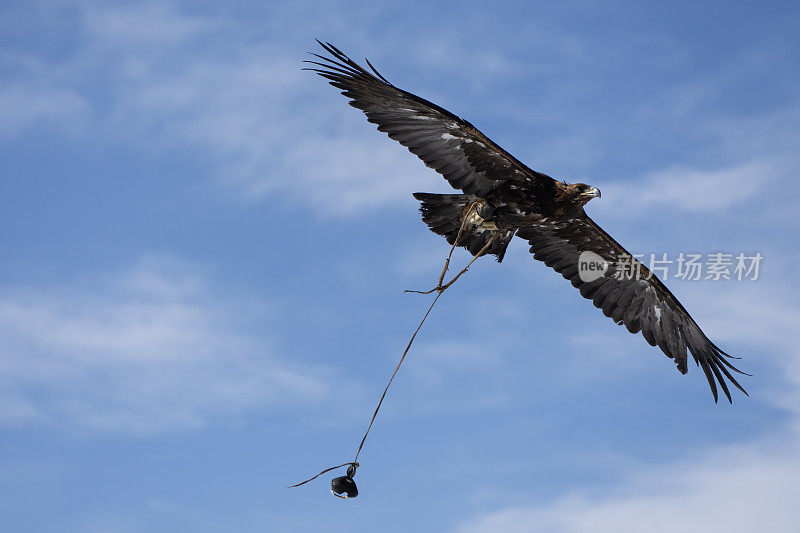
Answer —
502 197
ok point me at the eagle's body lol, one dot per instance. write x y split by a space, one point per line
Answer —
502 197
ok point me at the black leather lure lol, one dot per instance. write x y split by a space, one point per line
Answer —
345 485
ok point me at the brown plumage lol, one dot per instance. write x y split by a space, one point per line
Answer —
503 197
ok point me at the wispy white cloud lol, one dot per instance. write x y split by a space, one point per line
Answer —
763 318
737 488
249 111
153 349
27 105
143 23
692 190
263 127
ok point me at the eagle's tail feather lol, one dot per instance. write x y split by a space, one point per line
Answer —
444 214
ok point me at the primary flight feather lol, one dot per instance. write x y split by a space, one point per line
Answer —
502 197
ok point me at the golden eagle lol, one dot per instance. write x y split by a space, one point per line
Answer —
502 197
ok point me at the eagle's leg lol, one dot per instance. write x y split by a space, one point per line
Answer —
486 246
464 222
472 207
439 287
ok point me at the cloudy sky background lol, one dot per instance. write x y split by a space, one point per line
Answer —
204 251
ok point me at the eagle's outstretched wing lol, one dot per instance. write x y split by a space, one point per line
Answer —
453 147
629 294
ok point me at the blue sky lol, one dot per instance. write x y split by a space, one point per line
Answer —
204 252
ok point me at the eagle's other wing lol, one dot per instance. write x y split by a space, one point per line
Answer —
629 294
453 147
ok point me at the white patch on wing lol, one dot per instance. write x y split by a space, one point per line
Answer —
447 136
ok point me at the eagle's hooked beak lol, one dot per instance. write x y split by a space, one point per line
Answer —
591 192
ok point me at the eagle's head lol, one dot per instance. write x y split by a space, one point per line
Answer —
580 193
